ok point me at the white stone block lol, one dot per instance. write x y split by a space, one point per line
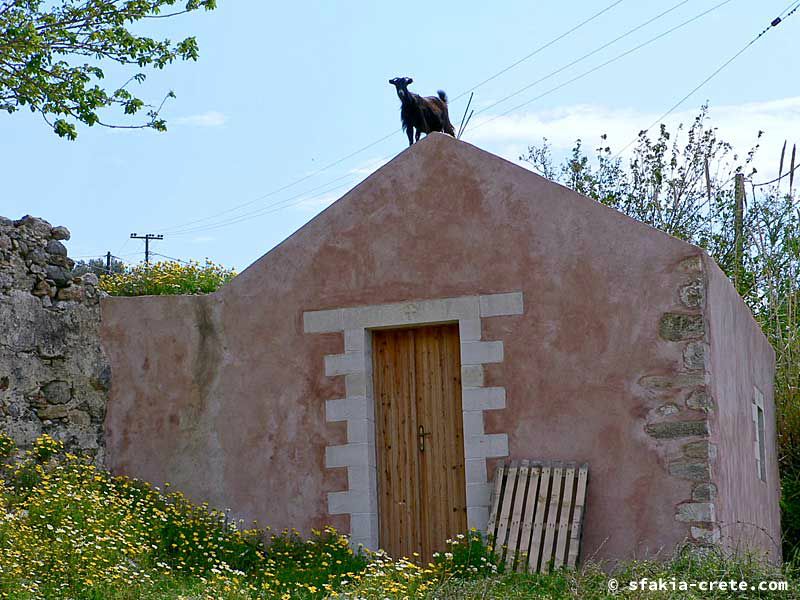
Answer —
349 455
322 321
363 525
476 353
490 398
360 430
471 376
478 494
411 313
382 315
498 445
469 330
362 478
491 445
354 340
465 307
342 364
340 503
473 423
499 305
342 409
476 471
355 384
478 518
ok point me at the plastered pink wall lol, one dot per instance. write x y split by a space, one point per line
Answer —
741 359
223 396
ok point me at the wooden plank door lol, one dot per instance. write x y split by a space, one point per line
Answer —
420 445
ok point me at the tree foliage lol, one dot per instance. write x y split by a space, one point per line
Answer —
53 55
98 266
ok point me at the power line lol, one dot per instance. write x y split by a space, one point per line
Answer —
95 267
604 64
261 213
388 135
777 178
539 49
288 185
185 229
147 237
172 258
279 205
123 246
257 211
587 55
239 218
775 22
102 256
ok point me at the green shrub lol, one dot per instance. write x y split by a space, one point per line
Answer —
167 278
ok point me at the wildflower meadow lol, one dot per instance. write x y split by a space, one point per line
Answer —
69 530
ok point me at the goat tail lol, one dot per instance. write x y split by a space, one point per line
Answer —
442 96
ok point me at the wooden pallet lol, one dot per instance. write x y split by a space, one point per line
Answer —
536 514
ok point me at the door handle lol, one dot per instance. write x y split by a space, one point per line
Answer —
422 434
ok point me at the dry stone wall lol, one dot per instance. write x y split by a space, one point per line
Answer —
54 377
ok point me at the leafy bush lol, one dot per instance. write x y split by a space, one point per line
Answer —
167 277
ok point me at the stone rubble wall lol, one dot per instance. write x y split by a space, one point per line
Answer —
54 376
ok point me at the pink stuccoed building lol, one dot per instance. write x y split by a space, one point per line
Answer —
452 312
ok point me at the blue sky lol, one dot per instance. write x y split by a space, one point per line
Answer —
283 89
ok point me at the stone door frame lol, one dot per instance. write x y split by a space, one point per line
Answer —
357 408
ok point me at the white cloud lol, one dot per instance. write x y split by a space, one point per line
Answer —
211 118
317 203
370 166
738 124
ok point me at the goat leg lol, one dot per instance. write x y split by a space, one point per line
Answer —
424 128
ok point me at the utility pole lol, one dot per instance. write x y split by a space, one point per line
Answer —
738 231
108 262
147 237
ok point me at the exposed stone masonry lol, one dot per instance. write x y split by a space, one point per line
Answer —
54 377
681 426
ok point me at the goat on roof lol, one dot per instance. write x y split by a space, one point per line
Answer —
423 113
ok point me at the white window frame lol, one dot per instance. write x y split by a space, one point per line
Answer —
759 427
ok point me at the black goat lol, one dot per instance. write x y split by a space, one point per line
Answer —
425 114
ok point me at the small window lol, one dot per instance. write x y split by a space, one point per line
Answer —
758 422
